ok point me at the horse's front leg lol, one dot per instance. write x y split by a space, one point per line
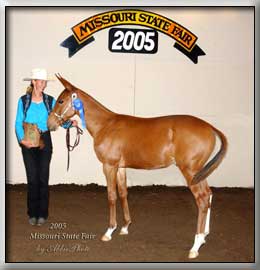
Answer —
111 174
122 191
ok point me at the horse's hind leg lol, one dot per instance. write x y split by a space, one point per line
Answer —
122 191
207 224
203 197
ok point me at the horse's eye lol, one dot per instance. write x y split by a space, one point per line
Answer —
60 101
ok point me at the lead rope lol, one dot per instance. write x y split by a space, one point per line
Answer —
76 143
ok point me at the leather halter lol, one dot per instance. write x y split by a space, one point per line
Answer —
70 105
60 116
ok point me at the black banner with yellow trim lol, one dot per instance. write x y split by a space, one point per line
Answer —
83 31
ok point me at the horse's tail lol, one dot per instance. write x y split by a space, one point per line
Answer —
214 162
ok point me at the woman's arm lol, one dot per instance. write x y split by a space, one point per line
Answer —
19 125
19 121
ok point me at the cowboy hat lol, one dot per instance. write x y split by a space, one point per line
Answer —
38 74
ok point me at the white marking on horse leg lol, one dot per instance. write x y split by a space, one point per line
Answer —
206 232
108 235
198 241
124 230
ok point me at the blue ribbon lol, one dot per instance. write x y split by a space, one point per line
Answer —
78 105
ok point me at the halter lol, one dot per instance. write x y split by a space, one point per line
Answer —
70 105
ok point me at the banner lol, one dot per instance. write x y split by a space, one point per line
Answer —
83 32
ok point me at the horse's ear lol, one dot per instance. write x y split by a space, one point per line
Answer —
65 83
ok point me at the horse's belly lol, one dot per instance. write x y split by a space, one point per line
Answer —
147 158
146 164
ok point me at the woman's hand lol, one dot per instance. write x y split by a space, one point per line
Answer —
74 123
27 144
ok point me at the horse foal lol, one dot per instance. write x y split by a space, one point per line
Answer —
124 141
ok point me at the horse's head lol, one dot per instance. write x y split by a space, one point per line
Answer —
63 109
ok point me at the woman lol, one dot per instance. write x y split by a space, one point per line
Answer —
34 107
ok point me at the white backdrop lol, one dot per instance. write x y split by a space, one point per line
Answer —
219 89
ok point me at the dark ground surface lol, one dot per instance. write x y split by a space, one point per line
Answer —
163 226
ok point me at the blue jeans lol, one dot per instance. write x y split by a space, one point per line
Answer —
37 166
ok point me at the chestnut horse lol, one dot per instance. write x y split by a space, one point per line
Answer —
124 141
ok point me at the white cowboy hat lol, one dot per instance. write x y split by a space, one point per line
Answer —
38 74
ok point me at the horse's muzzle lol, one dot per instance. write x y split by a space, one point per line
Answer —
52 122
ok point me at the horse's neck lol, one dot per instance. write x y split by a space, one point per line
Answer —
96 115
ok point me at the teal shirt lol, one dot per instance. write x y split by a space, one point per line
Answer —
36 114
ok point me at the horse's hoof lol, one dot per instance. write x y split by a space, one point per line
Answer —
193 254
124 231
106 238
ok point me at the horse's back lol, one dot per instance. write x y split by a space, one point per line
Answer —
174 122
